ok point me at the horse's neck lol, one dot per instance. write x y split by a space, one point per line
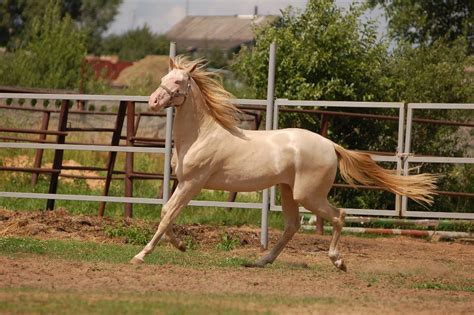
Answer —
192 121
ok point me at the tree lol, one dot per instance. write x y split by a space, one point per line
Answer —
428 20
135 44
437 73
322 54
52 57
93 17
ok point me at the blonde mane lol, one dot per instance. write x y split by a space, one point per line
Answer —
216 98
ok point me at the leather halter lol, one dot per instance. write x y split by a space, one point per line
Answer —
177 93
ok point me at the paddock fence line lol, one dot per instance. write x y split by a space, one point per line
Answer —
272 108
410 157
402 159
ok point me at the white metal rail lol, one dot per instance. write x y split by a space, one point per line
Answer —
410 158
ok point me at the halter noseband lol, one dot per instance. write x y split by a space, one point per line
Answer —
177 93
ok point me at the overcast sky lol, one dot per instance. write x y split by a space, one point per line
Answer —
161 15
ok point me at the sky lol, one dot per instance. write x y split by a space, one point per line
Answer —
161 15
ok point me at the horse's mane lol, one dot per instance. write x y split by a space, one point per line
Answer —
216 98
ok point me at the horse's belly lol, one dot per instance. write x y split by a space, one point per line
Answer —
243 182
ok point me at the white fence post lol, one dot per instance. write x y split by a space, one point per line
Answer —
268 126
168 141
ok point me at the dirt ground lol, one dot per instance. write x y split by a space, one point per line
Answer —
385 275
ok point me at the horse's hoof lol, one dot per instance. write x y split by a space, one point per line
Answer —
254 265
340 265
136 261
182 247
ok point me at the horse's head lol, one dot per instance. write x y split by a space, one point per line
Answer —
173 90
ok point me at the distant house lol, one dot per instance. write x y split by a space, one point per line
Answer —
227 33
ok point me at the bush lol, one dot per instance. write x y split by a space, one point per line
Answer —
52 55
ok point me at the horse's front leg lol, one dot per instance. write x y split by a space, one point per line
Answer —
171 236
183 194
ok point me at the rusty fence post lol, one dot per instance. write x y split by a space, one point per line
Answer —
129 158
39 152
113 155
58 154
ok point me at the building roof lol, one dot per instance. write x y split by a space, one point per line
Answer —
224 32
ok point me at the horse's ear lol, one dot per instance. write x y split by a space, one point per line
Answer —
172 65
193 68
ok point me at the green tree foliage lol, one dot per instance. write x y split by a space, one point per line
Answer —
135 44
93 18
52 57
436 73
426 21
322 54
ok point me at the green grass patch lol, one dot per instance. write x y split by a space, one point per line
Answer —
132 234
227 242
113 253
41 301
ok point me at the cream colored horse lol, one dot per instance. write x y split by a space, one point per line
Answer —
213 153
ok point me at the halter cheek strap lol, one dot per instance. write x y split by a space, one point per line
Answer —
177 93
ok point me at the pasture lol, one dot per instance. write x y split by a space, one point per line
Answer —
56 262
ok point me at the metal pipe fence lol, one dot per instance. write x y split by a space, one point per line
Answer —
402 156
409 157
402 159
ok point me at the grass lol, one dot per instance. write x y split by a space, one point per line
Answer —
36 301
112 253
228 242
72 250
132 234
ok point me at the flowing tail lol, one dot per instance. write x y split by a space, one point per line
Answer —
359 167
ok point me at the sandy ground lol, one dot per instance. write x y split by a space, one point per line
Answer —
385 275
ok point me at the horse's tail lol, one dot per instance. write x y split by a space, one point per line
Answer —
361 168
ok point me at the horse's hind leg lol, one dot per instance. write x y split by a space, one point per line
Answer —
292 224
336 217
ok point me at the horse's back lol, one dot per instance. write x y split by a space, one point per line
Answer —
303 143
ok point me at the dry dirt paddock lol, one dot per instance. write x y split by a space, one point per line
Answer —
396 275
